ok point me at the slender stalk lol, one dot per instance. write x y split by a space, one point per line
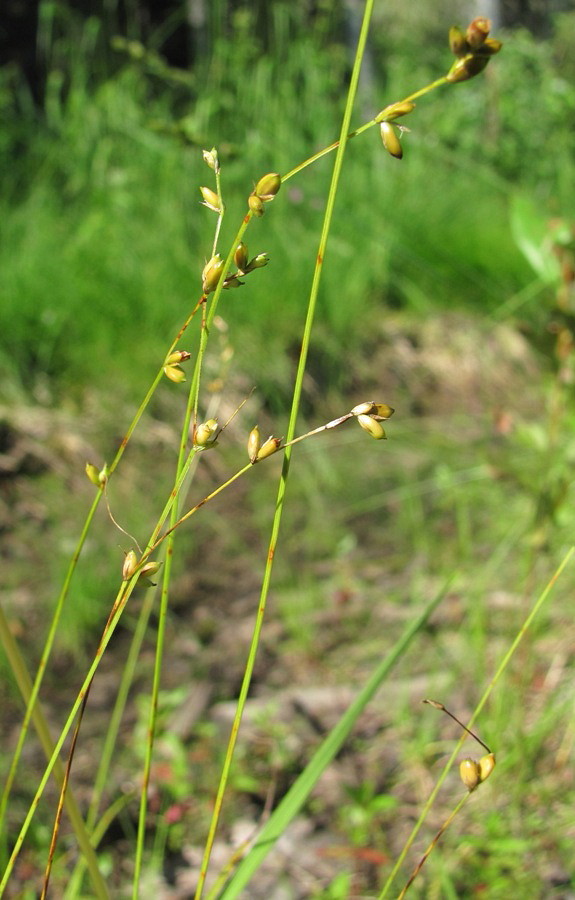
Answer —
484 698
287 457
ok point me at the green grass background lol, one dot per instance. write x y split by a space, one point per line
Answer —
102 241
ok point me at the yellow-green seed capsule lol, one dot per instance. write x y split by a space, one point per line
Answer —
254 444
390 140
469 773
258 262
374 428
383 411
175 374
268 186
211 199
256 205
176 357
489 48
241 257
206 433
466 68
233 282
130 565
363 409
211 273
149 570
457 41
211 159
93 474
477 32
270 446
486 766
395 110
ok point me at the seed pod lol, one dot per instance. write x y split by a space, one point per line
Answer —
270 446
457 42
256 205
241 257
489 48
466 68
383 411
486 766
175 374
130 565
149 569
268 186
390 140
176 357
211 273
477 32
254 444
374 428
395 110
206 433
363 409
258 262
211 199
470 774
233 282
93 474
211 159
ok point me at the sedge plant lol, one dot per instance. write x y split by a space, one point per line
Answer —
199 434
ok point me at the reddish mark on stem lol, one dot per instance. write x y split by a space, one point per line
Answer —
319 259
271 553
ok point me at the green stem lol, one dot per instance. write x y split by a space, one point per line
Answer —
486 694
341 145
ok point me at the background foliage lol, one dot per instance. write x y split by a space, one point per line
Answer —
446 288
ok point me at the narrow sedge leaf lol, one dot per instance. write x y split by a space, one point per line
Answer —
300 790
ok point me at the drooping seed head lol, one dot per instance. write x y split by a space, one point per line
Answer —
363 409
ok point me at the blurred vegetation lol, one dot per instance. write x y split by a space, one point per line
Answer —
446 285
